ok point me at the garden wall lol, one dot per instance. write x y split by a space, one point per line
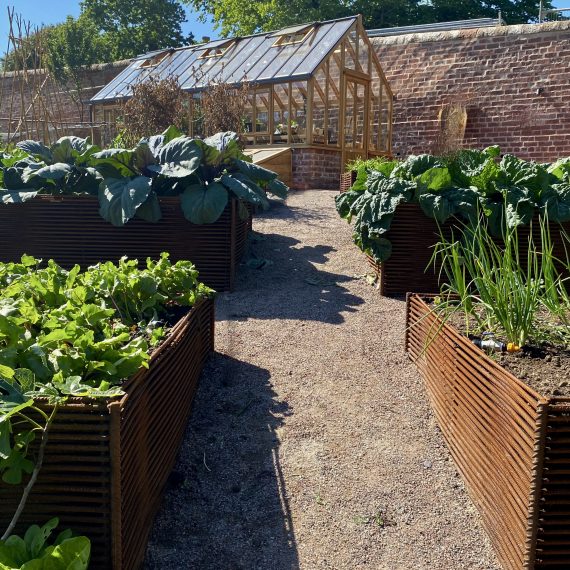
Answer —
513 80
17 94
315 168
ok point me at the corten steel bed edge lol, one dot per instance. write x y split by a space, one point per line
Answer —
70 230
510 444
107 461
413 236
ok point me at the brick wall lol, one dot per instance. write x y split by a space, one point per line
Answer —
514 81
64 112
315 168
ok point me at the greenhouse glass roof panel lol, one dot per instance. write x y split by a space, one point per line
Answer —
323 42
253 58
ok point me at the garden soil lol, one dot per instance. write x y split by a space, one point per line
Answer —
311 444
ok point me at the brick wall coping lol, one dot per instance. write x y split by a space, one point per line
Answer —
94 67
474 33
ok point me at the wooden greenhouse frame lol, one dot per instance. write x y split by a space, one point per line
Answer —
317 85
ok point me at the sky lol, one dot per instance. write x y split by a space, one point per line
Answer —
54 11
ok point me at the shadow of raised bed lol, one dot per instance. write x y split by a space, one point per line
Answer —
510 443
70 230
107 461
227 506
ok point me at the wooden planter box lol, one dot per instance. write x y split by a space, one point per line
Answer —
413 236
107 462
70 230
510 444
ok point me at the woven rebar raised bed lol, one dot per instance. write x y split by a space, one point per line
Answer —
107 463
70 230
413 236
510 444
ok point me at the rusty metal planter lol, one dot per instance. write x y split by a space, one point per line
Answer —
107 462
413 235
70 230
510 444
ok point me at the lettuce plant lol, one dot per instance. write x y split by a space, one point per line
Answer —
72 333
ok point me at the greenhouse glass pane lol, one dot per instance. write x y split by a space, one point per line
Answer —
262 110
298 122
291 30
319 107
333 96
280 113
239 69
267 54
281 58
363 54
324 40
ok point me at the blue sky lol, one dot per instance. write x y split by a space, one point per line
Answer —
54 11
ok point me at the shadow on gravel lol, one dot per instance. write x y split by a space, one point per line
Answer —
289 283
225 509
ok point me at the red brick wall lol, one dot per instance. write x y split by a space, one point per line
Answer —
315 168
65 112
514 81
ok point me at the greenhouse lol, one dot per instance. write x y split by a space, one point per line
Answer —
317 86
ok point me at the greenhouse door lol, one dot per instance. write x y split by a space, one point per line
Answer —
355 127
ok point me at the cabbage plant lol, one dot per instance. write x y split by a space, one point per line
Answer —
206 174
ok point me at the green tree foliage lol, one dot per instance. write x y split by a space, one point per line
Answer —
137 26
71 46
234 17
106 30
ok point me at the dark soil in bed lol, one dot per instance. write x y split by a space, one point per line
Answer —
546 369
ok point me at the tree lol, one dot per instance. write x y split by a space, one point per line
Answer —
70 47
132 27
235 17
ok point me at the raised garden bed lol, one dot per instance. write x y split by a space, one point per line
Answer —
510 443
107 462
413 236
70 230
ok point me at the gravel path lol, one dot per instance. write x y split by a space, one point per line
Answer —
311 443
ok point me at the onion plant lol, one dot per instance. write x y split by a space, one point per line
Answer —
500 288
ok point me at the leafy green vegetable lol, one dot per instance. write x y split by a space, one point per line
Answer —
71 333
204 203
32 552
129 182
469 184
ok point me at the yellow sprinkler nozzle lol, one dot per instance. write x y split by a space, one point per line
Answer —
512 347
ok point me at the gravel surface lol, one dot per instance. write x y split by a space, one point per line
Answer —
311 443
